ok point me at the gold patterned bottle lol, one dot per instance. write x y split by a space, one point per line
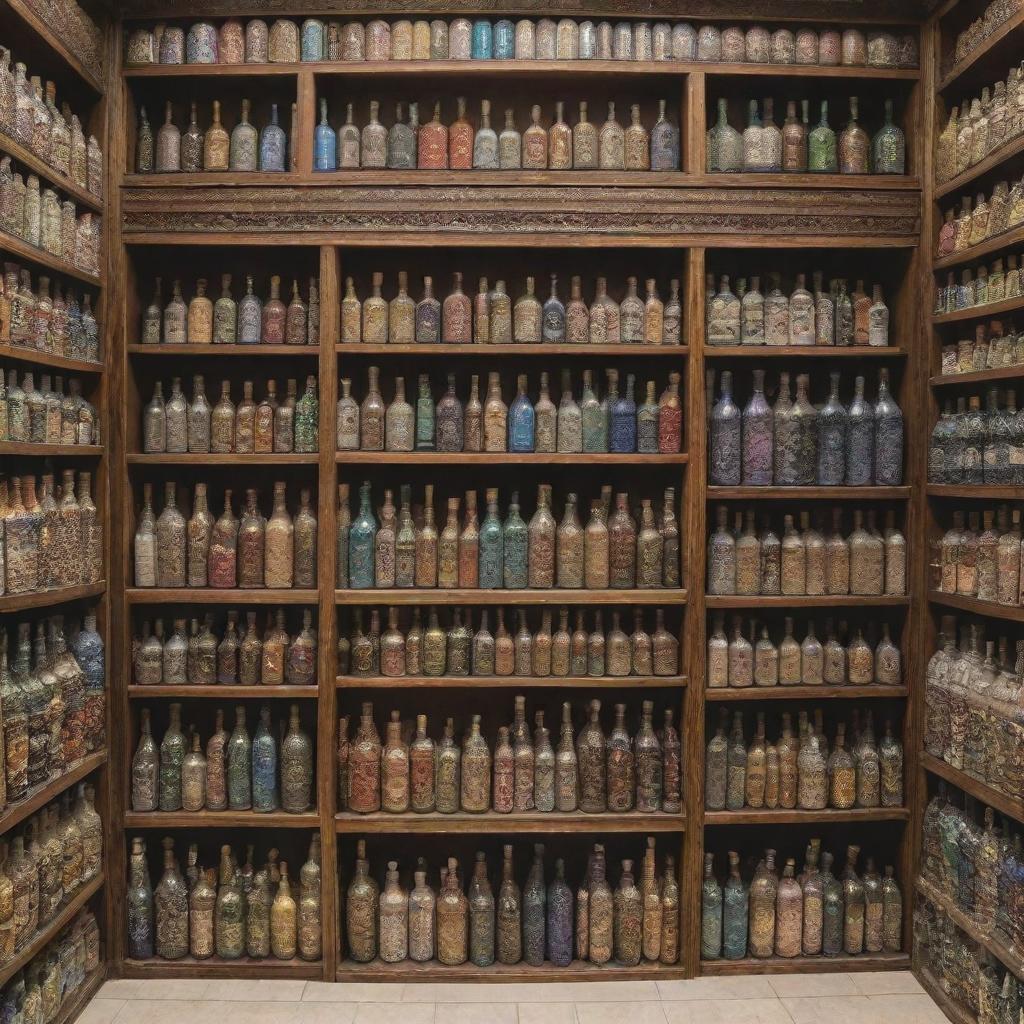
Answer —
361 910
394 918
628 922
508 923
421 917
763 898
452 919
309 925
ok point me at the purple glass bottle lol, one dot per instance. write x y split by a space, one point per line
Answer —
522 420
757 437
622 432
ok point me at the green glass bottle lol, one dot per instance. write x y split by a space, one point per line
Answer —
822 155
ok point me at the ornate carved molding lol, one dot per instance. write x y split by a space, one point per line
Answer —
74 28
657 212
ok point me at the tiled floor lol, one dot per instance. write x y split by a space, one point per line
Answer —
883 998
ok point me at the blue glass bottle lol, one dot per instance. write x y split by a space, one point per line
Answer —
482 47
273 144
553 318
516 539
264 765
313 47
325 143
362 537
522 420
504 40
622 413
492 542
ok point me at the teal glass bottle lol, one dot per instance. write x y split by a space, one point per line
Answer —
889 146
735 904
522 420
362 535
491 545
595 438
425 416
822 155
515 548
264 765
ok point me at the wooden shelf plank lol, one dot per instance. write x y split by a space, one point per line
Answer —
219 459
1014 808
487 682
57 45
802 351
52 929
991 941
994 160
486 351
15 246
674 596
808 964
982 312
950 1007
720 694
491 823
800 817
977 376
1009 612
810 493
804 601
1007 240
578 970
741 179
46 598
191 595
81 451
41 795
20 354
991 50
220 819
992 491
508 459
28 159
81 997
196 349
223 692
215 967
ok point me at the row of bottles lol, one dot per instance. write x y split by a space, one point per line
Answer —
832 316
616 549
51 537
268 771
989 217
541 923
462 39
978 868
491 317
808 561
179 424
812 913
230 913
30 116
251 552
800 771
590 771
229 656
980 556
459 651
797 443
980 126
990 348
764 147
36 214
57 325
841 659
249 321
977 32
978 446
245 148
968 975
54 703
435 145
46 985
615 423
44 864
972 707
991 284
46 415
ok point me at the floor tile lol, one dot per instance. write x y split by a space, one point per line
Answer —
390 1013
728 1011
887 983
611 1012
546 1013
801 985
322 1013
357 992
457 992
248 1012
614 991
832 1009
163 1011
907 1009
174 988
101 1011
753 987
476 1013
258 989
118 988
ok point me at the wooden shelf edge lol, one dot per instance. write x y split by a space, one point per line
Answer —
1010 612
478 348
720 694
80 999
1005 152
53 177
218 459
53 928
840 493
40 257
20 354
189 595
1006 240
802 817
46 598
805 601
962 67
991 942
223 691
245 968
977 376
410 971
994 491
487 682
42 451
355 458
800 351
981 312
440 596
17 812
974 787
953 1010
197 349
807 964
491 823
220 819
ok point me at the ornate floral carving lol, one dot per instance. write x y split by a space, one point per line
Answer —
519 210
